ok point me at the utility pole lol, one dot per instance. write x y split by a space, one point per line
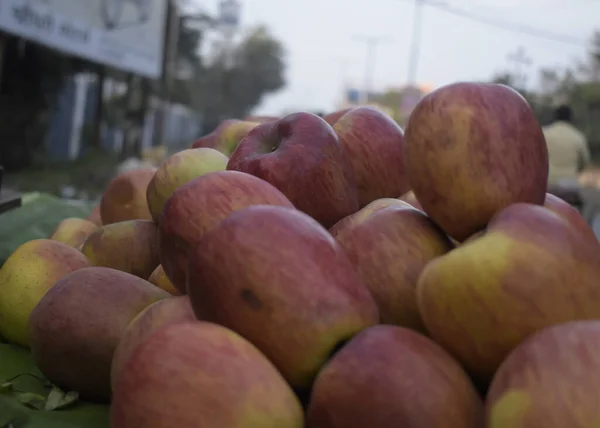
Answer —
521 62
3 42
371 42
168 67
229 22
99 102
343 63
415 42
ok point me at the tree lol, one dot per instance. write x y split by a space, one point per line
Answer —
505 78
34 75
232 87
550 82
579 87
590 68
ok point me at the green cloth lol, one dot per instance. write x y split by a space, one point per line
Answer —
37 218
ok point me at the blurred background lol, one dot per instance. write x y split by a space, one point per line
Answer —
88 87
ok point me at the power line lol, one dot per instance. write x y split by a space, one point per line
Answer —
516 28
505 25
415 43
521 61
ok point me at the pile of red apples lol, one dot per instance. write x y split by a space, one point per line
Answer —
335 272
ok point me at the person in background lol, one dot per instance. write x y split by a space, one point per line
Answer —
568 150
568 155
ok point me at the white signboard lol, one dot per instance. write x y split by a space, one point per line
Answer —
125 34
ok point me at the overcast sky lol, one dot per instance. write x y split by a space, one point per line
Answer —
323 52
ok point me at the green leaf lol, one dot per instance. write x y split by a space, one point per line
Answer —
30 399
22 385
58 399
11 415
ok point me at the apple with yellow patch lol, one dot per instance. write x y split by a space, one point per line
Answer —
181 168
129 246
226 137
199 374
530 269
73 231
551 380
472 149
26 276
161 280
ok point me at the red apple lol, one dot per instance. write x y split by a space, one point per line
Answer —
198 374
364 212
551 380
278 278
389 249
374 144
78 324
333 117
125 196
301 156
389 376
198 206
164 312
472 149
